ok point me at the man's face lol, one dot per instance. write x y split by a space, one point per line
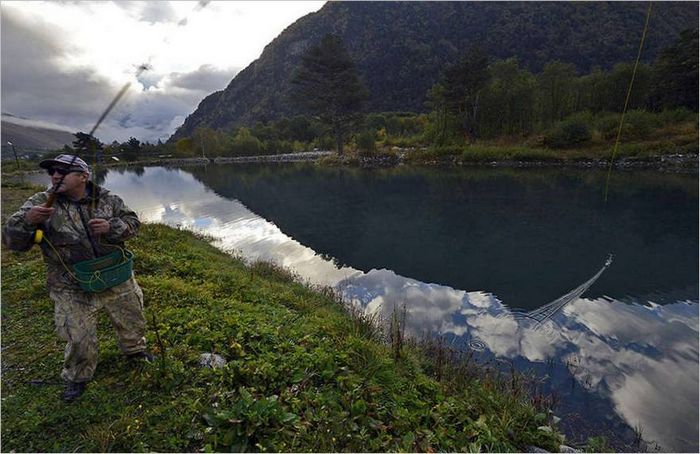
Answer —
72 181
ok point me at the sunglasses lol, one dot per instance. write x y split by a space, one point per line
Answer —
62 172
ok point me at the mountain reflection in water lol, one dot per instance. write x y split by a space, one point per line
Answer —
615 363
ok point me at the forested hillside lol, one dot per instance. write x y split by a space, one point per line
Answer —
401 49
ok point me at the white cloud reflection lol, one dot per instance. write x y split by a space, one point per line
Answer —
235 228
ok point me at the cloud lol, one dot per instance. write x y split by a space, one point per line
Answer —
38 84
152 12
57 72
154 112
207 78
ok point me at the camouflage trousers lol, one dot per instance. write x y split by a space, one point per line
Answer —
76 313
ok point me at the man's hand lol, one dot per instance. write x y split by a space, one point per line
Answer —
98 226
38 214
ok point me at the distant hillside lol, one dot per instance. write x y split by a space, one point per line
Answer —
401 48
28 136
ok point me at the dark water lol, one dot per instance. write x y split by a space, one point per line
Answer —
526 236
461 248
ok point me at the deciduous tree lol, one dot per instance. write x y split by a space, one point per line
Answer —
463 84
557 95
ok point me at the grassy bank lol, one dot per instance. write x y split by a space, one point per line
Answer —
302 373
675 139
671 146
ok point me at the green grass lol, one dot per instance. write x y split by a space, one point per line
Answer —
303 374
522 154
11 167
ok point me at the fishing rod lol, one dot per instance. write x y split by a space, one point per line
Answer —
53 192
143 67
38 235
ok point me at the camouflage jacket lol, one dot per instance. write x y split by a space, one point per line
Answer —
66 231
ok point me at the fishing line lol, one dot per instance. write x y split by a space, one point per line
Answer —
627 99
547 311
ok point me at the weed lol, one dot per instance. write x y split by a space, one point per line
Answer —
397 331
598 444
270 270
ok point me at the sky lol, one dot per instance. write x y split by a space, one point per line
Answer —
64 61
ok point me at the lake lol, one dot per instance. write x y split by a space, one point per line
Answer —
473 255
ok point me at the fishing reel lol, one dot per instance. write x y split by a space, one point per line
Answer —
38 233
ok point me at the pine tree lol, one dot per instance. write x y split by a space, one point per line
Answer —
326 84
85 143
131 149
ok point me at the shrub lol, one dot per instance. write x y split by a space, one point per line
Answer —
639 124
366 142
184 148
607 124
433 153
389 153
405 142
325 142
276 146
442 131
245 144
584 117
678 115
568 133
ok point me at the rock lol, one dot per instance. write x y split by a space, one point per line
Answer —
535 449
556 419
211 360
564 448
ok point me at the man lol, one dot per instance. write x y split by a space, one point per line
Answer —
85 222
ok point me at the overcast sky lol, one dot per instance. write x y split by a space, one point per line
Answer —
63 62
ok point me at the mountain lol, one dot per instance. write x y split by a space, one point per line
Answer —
400 48
32 136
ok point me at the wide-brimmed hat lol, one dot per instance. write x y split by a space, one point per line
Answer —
66 161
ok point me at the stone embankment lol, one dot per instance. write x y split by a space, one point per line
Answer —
170 162
287 157
676 163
